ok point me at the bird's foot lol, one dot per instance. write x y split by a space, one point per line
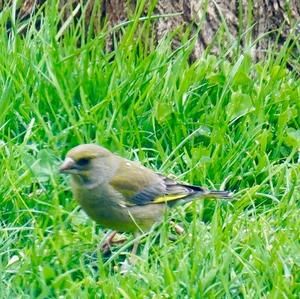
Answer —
125 267
127 264
178 229
113 238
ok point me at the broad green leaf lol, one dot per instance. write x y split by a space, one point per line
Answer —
287 115
48 272
42 165
278 72
293 138
163 112
239 105
242 78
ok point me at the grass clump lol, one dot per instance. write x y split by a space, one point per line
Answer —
214 122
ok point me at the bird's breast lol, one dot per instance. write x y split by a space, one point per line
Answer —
102 204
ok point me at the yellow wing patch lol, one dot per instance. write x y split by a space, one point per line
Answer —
170 197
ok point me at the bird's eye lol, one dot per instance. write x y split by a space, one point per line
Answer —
83 162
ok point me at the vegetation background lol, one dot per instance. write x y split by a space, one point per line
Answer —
223 121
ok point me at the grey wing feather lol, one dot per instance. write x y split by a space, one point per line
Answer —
148 186
167 186
148 194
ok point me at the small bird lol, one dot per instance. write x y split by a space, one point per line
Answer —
121 194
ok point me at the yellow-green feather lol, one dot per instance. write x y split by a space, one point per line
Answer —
167 198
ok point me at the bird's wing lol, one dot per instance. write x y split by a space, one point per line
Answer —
141 186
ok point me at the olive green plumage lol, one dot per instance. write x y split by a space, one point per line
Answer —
122 194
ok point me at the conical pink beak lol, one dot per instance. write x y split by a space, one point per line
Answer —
67 166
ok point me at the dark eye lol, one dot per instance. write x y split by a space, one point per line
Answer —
83 162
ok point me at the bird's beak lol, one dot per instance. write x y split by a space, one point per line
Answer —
67 166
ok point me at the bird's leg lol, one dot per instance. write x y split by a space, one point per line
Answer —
105 246
134 248
107 242
178 229
133 257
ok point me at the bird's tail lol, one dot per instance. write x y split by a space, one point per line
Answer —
184 193
202 194
208 194
217 194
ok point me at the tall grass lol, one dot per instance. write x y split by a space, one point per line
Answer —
216 122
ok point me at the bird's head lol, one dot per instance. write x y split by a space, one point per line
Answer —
89 164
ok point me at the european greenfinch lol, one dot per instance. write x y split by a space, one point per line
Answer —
121 194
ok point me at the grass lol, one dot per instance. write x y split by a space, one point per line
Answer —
216 122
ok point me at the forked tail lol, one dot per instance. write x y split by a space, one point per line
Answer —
220 194
183 193
201 194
